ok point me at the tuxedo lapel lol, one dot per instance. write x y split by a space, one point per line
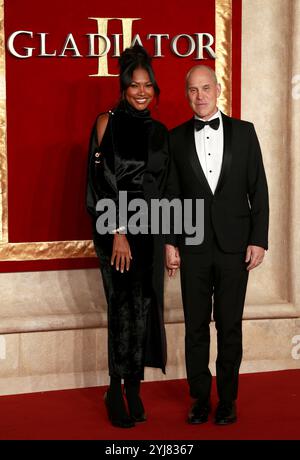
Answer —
227 153
193 156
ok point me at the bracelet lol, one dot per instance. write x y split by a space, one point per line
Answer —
119 230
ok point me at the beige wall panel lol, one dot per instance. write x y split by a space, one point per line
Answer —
265 82
294 94
71 351
9 355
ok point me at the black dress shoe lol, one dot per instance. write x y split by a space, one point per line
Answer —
225 413
117 413
199 412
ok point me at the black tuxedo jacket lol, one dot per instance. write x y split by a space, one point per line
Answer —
237 214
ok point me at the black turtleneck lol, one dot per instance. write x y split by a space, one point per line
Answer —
128 108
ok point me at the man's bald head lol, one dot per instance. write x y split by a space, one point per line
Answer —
202 91
203 69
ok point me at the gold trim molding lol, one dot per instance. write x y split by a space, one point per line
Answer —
3 151
80 249
46 250
223 64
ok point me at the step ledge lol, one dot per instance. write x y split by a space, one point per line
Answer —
57 322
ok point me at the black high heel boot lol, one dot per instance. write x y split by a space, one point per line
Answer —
115 406
135 405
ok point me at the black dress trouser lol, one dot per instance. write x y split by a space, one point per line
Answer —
213 281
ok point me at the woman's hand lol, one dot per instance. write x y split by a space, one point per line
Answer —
121 254
172 259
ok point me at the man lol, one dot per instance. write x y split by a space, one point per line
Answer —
218 159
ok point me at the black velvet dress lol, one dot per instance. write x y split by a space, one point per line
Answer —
132 157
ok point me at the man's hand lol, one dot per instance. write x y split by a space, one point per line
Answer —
172 258
255 256
121 254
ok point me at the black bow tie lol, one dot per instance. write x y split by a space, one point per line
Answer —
199 124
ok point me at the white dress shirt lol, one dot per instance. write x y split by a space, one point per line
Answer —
209 145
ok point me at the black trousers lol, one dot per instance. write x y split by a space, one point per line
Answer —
213 281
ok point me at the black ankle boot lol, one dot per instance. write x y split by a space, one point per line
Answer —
135 405
116 408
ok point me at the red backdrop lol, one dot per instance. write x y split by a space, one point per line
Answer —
53 102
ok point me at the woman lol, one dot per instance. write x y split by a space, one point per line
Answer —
129 152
